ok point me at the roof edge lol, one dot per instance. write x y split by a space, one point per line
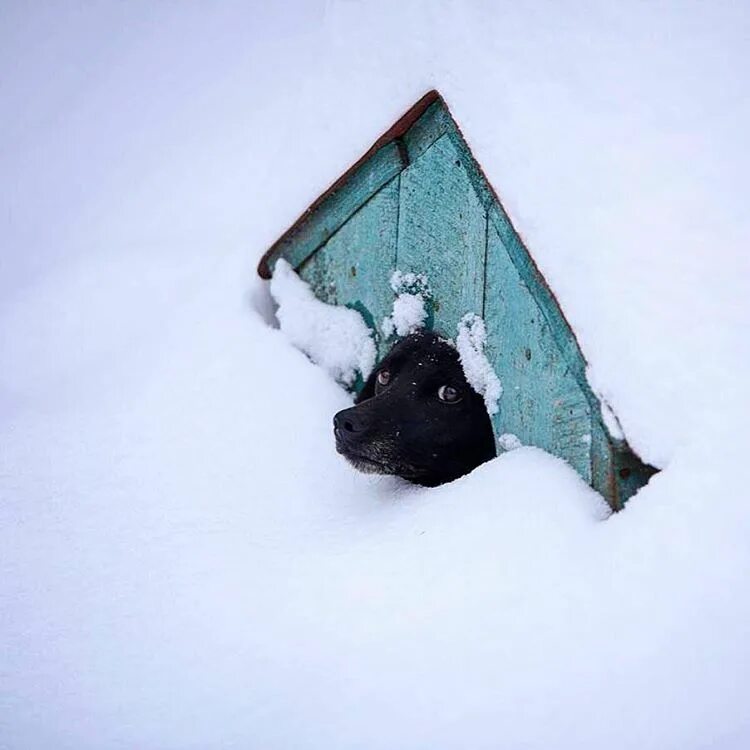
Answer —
397 130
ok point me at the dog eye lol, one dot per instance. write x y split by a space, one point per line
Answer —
384 377
448 394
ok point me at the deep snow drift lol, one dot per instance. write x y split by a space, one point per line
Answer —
184 559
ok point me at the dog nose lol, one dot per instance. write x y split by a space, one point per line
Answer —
344 421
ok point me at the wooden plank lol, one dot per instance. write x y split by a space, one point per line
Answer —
543 295
602 475
542 402
354 267
339 205
441 233
430 127
477 178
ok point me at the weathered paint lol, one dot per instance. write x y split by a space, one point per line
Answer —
441 227
418 201
354 267
542 403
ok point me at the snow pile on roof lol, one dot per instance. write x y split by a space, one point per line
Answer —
470 342
409 313
334 337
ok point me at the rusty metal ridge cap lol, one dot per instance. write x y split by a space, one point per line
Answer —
396 131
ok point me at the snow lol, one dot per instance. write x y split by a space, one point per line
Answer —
408 280
409 313
470 342
611 422
508 441
185 561
334 337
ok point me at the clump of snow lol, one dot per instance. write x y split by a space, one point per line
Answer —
610 419
408 315
409 312
336 338
509 442
470 342
416 283
611 422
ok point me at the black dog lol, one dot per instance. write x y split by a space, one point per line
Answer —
417 417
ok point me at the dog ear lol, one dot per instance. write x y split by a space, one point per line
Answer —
368 389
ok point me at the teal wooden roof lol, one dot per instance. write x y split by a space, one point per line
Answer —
419 202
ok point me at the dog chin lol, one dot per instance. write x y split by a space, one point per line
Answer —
367 464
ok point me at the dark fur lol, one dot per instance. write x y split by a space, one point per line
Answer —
403 428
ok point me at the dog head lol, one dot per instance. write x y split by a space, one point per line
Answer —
417 417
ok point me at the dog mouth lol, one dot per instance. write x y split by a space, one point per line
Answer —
369 464
362 461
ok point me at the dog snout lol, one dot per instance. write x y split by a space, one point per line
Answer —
347 422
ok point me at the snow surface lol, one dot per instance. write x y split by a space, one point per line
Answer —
470 342
409 313
334 337
184 559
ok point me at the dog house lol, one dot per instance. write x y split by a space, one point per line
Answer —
417 201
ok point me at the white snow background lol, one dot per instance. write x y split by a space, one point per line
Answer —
185 562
